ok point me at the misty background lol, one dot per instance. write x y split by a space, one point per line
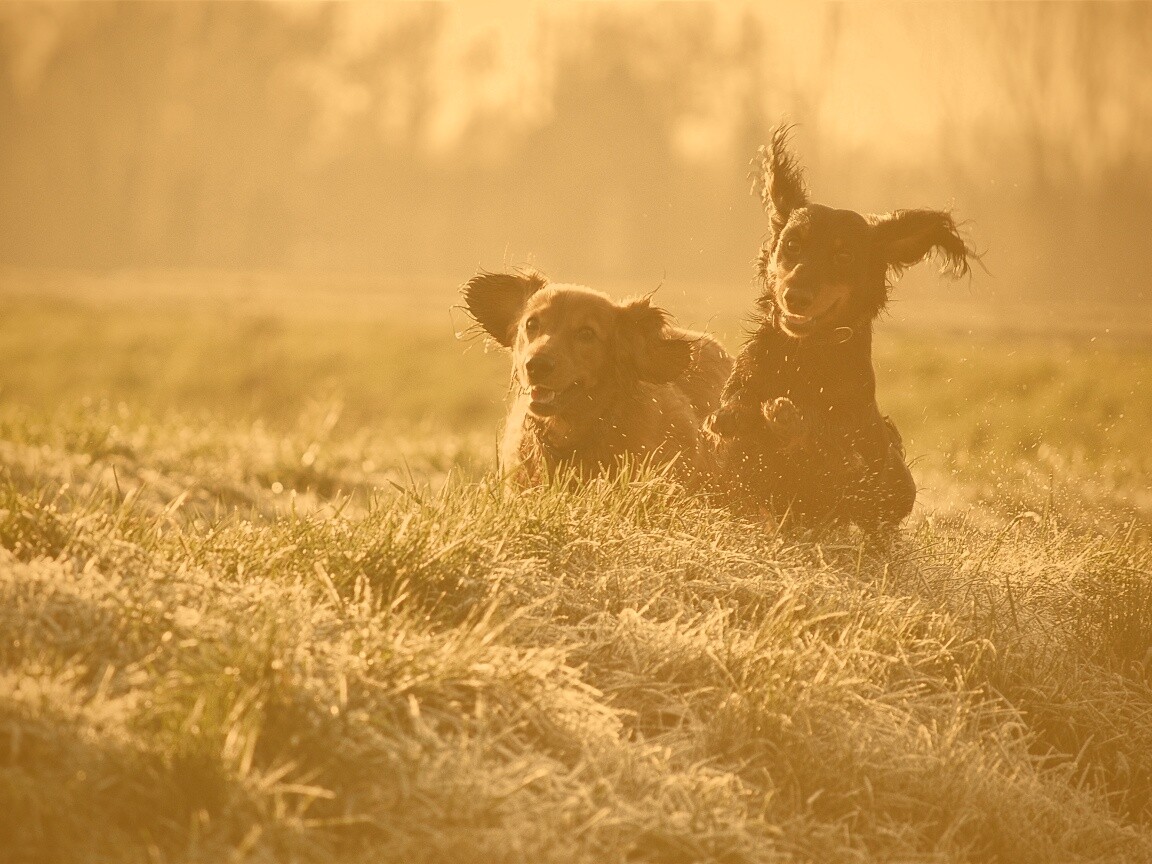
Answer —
597 141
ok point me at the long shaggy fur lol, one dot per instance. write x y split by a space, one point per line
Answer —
595 381
798 427
925 232
780 180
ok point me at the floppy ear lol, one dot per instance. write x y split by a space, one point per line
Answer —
656 357
907 237
496 300
779 180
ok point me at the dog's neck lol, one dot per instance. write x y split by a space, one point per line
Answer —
834 366
556 437
561 436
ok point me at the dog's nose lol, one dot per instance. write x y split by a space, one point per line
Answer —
538 366
797 300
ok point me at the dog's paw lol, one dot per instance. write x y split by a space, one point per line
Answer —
785 421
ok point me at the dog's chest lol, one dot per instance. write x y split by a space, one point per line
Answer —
820 378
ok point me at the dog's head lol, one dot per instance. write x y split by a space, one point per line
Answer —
823 269
572 346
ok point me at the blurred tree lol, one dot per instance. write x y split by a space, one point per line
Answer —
1077 80
610 141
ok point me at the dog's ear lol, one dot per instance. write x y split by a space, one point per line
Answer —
907 237
780 180
496 300
655 355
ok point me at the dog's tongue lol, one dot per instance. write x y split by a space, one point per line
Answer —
543 395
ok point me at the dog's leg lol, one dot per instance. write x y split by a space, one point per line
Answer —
898 487
741 401
887 493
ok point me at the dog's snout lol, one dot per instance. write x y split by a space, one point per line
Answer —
539 366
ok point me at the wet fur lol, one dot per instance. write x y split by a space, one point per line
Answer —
641 388
799 429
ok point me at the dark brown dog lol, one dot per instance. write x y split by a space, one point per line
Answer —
594 380
799 426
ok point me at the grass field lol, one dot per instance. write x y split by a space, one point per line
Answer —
260 600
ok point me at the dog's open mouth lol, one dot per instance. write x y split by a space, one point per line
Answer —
804 325
546 401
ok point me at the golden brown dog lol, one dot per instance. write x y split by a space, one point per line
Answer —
595 380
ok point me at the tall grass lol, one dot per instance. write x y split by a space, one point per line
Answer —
229 635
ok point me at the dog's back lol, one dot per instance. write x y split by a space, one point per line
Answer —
703 381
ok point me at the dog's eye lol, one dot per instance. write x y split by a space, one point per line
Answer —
586 334
792 246
532 326
843 258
